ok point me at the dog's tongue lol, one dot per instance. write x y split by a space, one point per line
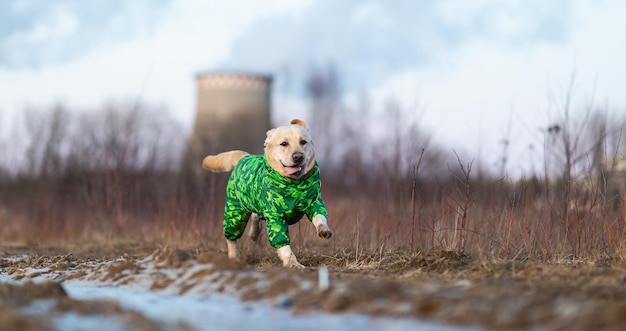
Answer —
291 170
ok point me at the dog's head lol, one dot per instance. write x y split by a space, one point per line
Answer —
289 149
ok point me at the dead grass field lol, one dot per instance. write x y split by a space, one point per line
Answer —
499 257
441 242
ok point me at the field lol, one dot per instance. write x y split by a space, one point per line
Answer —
418 235
444 286
503 256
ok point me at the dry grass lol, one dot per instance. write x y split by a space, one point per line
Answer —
118 188
369 233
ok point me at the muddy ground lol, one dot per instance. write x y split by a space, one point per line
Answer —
568 294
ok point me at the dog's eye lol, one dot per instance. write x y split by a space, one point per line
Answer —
284 144
303 142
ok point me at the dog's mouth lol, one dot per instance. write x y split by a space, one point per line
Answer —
294 170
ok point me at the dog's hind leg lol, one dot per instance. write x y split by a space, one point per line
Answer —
233 252
255 227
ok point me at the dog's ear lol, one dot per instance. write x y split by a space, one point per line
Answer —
268 137
300 123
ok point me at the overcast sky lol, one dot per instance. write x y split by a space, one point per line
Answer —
476 71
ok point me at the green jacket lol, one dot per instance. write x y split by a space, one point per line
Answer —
254 187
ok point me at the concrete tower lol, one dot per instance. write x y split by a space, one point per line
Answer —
233 112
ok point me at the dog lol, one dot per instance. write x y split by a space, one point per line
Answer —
280 186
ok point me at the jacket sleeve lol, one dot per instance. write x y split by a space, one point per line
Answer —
317 207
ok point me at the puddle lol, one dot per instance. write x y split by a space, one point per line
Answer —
222 313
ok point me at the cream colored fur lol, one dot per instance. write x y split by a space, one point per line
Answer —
281 145
233 252
285 147
288 257
321 227
283 142
223 162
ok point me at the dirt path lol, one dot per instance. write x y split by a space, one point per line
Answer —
445 288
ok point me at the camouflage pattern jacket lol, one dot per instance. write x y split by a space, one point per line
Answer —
254 187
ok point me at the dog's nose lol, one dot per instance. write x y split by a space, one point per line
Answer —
297 157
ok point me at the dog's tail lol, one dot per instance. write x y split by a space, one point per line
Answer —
222 162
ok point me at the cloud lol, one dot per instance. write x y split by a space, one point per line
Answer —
34 33
368 41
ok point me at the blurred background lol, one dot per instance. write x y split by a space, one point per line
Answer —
107 108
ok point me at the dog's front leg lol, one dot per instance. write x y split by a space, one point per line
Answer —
233 253
321 226
288 257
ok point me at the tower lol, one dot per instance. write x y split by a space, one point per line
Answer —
233 112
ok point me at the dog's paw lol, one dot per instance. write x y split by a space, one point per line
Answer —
294 264
324 231
289 259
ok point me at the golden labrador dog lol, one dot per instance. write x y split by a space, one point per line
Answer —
280 186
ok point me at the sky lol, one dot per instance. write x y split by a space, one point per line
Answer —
476 72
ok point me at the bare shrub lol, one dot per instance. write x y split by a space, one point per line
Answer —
105 172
